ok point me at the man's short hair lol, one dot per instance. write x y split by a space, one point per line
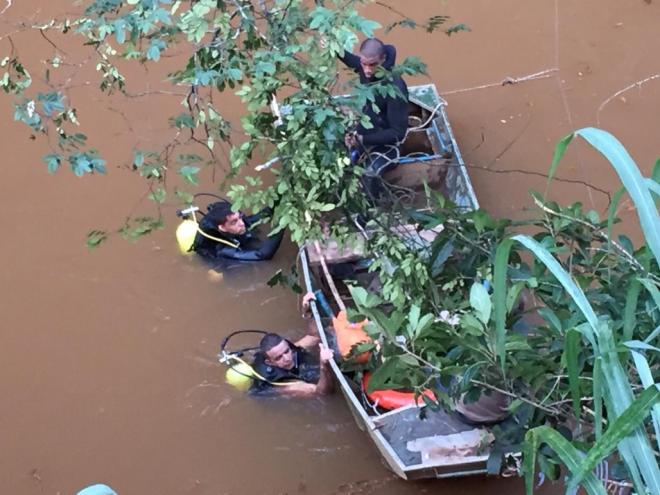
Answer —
269 341
218 213
373 47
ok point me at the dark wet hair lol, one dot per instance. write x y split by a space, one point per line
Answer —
218 213
269 341
373 47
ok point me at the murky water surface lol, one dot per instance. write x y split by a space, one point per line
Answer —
108 358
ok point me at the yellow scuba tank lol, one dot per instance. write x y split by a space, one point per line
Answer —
185 235
240 376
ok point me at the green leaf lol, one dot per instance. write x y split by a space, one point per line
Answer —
457 28
480 301
573 289
53 162
379 379
530 450
184 120
638 344
655 175
189 173
367 27
95 238
571 356
632 179
560 150
158 195
646 377
653 186
568 454
652 289
620 428
598 397
499 297
630 309
548 315
138 158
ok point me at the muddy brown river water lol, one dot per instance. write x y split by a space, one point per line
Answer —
108 367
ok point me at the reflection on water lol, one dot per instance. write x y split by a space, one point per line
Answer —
108 368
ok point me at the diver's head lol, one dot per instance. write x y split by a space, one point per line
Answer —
372 56
230 222
277 351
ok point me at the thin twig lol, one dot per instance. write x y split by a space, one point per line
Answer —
477 382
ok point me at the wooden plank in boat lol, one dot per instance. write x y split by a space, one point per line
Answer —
414 175
332 253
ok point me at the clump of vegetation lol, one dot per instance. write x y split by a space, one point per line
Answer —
577 357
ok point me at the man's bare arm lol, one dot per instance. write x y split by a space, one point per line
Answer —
322 387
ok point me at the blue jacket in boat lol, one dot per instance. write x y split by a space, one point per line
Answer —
390 122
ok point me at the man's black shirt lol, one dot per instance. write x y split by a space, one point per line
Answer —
390 122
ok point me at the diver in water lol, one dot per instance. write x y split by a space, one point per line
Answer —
280 367
225 234
293 367
389 119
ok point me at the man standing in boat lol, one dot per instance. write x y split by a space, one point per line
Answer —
390 117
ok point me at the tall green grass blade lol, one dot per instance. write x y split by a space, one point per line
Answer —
598 398
653 335
499 298
530 449
560 150
617 431
636 449
653 186
571 355
632 179
646 377
630 309
636 345
653 290
566 281
611 214
569 455
655 175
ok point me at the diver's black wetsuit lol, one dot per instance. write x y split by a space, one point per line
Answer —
305 368
245 247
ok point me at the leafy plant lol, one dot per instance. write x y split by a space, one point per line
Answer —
555 335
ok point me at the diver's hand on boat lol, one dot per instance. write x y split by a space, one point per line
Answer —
325 354
306 299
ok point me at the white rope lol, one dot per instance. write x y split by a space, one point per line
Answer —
636 84
507 81
6 7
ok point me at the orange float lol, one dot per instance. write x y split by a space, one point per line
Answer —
394 399
350 334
